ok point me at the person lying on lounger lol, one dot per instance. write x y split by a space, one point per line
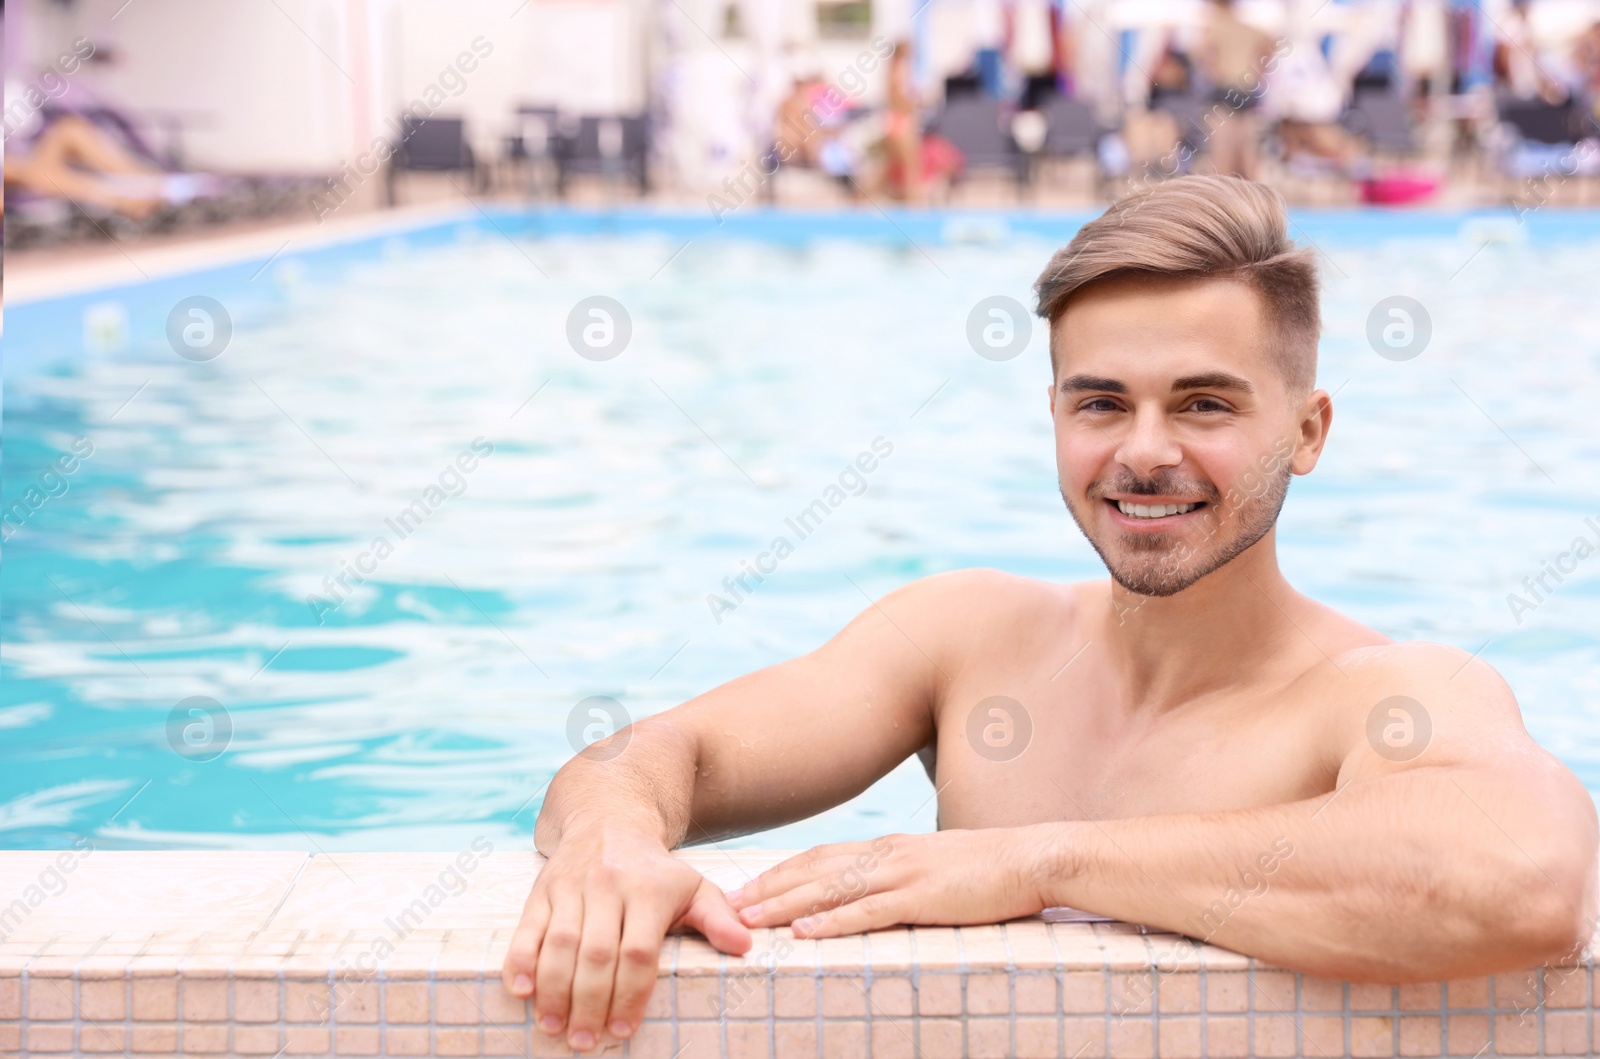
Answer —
67 156
1132 747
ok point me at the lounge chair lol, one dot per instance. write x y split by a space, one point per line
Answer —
433 145
609 146
976 126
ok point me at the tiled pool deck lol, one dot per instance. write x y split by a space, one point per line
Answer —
268 953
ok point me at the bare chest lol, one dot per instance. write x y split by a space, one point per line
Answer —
1032 752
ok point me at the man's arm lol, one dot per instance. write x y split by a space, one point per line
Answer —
775 746
1476 855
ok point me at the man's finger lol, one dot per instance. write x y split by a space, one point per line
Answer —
558 956
644 926
869 913
522 958
595 973
710 913
808 898
792 873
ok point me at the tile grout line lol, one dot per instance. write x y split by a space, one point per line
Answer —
772 993
1105 966
817 996
1059 973
1250 1005
1444 1018
381 984
1538 990
1011 988
677 1015
1155 992
1300 1021
965 1007
433 1000
483 993
916 992
866 990
127 1004
722 1002
1394 1001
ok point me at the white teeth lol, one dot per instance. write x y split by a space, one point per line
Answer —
1153 510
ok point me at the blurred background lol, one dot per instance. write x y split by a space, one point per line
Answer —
133 117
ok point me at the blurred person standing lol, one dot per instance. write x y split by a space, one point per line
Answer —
1154 131
1234 55
1517 69
902 128
1425 47
1586 64
809 117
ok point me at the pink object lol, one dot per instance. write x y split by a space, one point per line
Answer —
1398 189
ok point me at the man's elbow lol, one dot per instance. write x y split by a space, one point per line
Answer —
1556 916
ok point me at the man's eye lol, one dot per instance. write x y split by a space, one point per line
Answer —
1098 404
1208 404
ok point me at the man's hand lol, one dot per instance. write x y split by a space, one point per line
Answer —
948 878
589 943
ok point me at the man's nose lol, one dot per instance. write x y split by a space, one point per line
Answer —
1148 445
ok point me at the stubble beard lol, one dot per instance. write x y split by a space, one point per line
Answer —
1160 564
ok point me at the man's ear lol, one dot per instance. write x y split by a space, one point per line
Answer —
1316 416
1051 390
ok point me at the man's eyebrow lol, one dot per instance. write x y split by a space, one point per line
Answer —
1092 382
1212 380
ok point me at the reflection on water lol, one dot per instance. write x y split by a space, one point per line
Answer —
222 537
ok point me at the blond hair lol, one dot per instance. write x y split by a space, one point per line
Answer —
1196 227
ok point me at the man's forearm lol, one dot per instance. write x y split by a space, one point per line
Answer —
641 778
1411 876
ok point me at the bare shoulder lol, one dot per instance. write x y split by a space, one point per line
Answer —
1420 703
1418 667
982 596
963 612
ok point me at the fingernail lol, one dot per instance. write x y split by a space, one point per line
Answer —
550 1024
620 1028
751 914
522 986
582 1040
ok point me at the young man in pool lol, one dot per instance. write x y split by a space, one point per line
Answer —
1146 747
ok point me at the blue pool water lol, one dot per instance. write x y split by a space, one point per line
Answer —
575 558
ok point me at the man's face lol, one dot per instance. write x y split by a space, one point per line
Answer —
1175 433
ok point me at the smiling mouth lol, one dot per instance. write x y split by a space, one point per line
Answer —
1153 511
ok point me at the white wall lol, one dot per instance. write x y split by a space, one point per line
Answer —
251 90
305 85
585 56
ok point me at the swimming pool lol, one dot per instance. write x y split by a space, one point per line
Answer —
557 524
